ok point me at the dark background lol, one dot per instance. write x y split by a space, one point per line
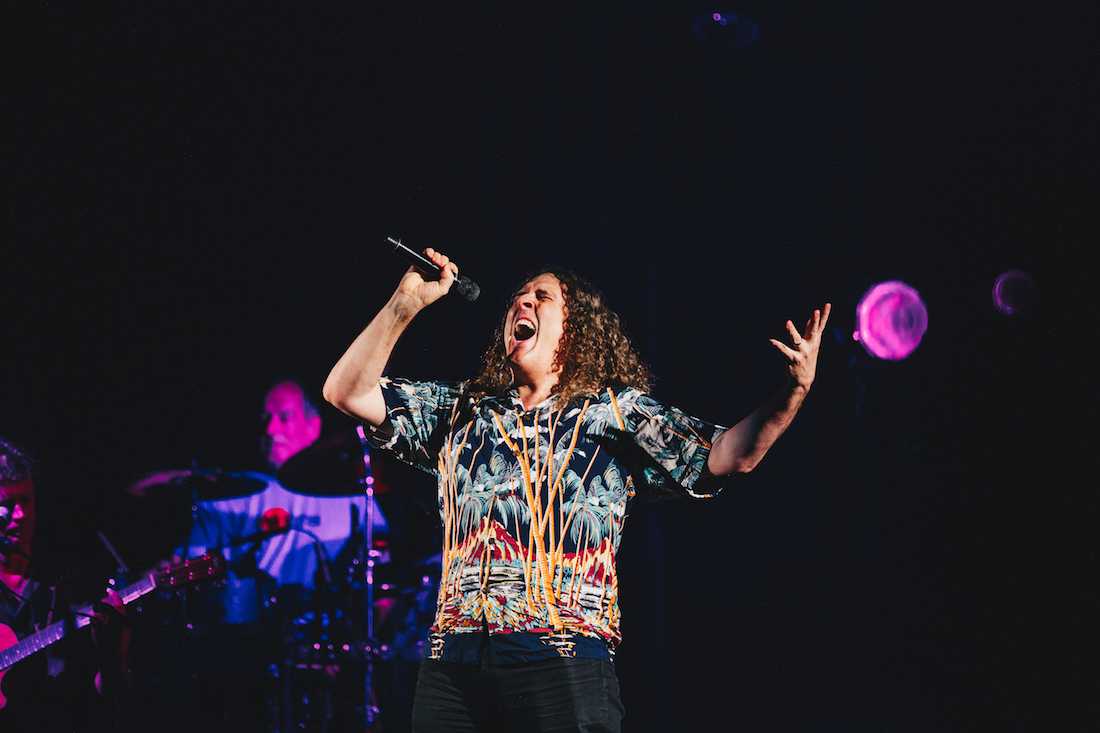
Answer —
197 199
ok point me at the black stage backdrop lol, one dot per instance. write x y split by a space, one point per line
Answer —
197 199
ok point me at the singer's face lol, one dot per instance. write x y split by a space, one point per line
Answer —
534 325
18 527
287 427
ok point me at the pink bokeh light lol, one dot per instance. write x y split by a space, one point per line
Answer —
891 320
1014 292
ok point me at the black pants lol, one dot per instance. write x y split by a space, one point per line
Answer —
554 695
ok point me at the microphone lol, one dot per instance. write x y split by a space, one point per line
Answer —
272 522
275 520
464 286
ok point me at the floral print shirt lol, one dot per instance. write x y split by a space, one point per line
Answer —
533 504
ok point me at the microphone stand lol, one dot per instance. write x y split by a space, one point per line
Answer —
186 618
371 710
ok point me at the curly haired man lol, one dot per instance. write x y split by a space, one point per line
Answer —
537 458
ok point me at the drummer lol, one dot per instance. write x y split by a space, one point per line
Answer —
320 512
320 519
271 579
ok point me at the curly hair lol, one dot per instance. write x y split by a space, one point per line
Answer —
594 353
15 465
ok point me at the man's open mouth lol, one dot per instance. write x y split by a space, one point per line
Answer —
524 329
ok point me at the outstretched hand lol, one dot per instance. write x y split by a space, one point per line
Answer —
801 355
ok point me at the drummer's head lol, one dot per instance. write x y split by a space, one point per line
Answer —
290 421
17 510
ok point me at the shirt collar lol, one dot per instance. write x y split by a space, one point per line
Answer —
509 401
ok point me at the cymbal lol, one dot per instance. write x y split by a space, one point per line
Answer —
330 466
203 484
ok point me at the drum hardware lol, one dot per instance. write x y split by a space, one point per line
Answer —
333 639
196 483
371 711
326 643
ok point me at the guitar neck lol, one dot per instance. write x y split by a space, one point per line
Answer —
53 633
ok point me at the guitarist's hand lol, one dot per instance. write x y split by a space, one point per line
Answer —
111 634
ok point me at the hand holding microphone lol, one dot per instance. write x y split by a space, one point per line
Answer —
352 384
431 276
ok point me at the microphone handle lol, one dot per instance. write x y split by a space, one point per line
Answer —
262 534
464 286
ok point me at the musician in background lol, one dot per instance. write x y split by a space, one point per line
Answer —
320 524
82 682
273 578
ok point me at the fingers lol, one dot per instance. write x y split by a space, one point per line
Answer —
815 325
811 325
114 600
443 262
802 356
103 613
106 612
110 605
448 270
787 351
796 337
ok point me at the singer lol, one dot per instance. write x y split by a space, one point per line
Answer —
537 458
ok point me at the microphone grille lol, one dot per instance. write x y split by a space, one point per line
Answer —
467 288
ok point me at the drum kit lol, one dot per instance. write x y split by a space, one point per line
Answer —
339 643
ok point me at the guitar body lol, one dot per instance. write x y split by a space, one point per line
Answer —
7 639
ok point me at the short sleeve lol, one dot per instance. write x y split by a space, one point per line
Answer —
669 447
416 412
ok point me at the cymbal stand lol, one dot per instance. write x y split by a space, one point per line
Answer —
370 708
122 570
185 549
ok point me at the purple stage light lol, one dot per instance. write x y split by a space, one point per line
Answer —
891 319
725 29
1014 292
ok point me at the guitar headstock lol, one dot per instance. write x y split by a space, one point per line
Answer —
210 566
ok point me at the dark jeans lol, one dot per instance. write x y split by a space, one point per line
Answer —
554 695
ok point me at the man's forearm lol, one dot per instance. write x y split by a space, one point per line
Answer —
357 372
742 447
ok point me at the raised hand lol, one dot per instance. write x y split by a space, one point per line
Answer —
424 292
801 355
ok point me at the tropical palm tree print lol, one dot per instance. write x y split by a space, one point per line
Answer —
533 502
